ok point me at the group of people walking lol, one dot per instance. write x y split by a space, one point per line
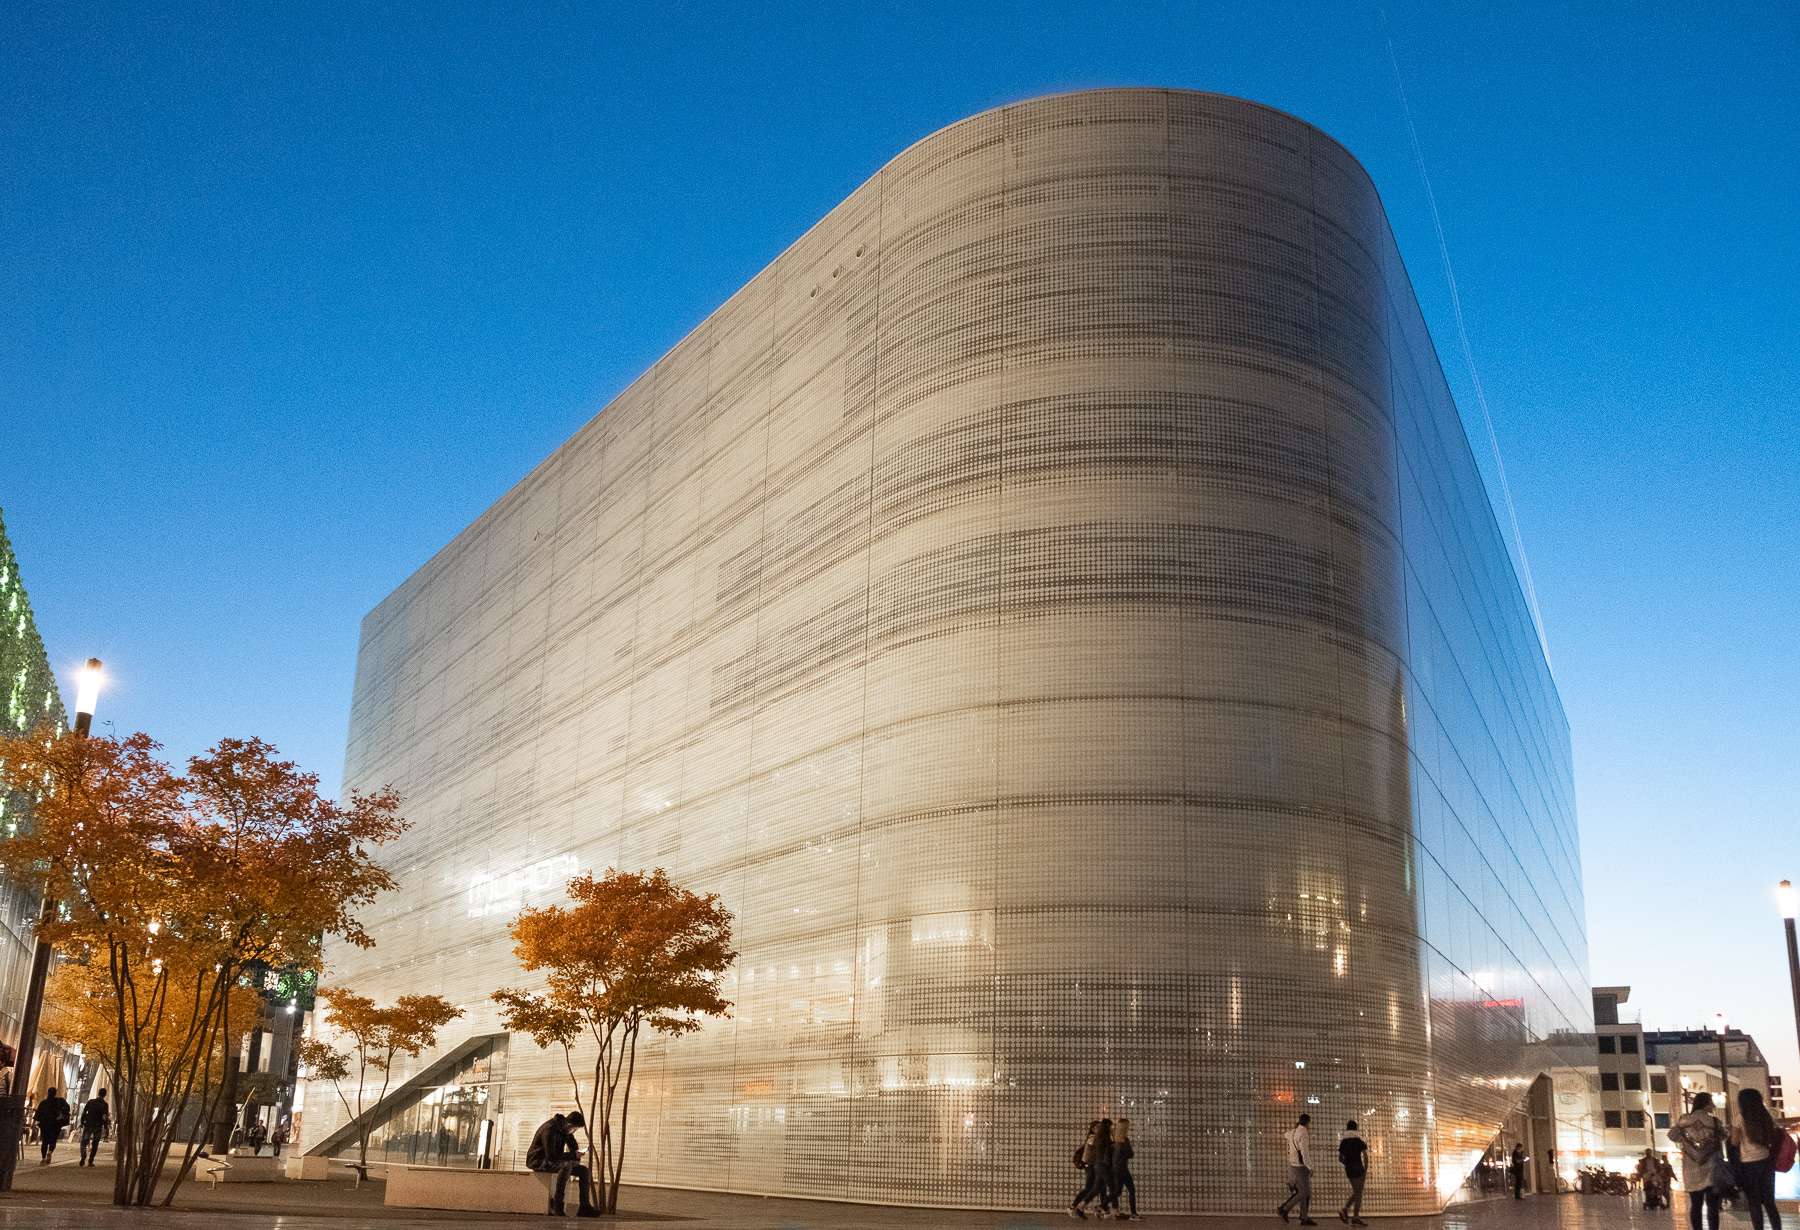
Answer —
1105 1152
1104 1158
258 1134
1707 1171
1353 1156
51 1115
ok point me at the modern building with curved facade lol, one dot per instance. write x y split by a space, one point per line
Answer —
1056 606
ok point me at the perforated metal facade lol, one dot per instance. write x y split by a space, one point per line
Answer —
1056 606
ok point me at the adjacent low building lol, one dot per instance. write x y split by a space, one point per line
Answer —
1641 1082
1057 608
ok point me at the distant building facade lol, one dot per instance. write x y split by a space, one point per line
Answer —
1642 1081
28 688
1057 607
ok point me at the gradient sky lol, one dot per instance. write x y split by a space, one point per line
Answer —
291 293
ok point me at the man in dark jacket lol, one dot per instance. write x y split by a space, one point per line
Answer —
52 1117
554 1150
95 1117
1353 1156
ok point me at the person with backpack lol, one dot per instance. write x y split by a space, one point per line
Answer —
96 1117
1094 1157
1353 1156
1758 1139
1299 1164
1704 1171
52 1117
1121 1170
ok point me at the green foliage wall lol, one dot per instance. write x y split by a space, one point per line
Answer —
28 692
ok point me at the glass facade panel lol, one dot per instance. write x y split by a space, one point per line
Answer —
443 1126
1056 607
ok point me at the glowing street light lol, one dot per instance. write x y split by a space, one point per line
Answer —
87 691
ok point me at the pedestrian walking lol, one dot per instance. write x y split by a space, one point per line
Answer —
1096 1157
1704 1171
278 1141
1299 1163
52 1117
1649 1177
96 1117
1517 1165
1353 1156
255 1135
1122 1153
554 1150
1757 1137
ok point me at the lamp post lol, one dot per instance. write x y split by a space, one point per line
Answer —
12 1107
1724 1072
1787 900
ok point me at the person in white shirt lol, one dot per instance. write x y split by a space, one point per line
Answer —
1299 1161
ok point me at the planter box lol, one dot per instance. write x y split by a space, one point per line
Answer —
482 1191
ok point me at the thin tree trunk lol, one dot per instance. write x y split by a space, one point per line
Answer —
630 1046
367 1129
598 1117
127 1073
209 1097
183 1069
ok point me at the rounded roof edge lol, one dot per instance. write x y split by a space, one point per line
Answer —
1083 91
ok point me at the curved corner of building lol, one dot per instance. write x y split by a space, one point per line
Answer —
1053 604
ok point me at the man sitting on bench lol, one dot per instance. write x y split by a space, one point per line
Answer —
554 1151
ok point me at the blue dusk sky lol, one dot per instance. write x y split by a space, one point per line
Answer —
291 293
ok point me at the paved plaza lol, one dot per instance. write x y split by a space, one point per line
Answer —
64 1197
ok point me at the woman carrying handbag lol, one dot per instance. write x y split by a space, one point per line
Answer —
1758 1139
1704 1171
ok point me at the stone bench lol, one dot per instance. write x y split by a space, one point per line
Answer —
245 1168
483 1191
303 1166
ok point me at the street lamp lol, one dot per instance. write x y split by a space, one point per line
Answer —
1724 1072
1787 900
87 691
12 1106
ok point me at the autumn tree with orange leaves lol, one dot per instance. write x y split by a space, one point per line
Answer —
169 888
377 1034
630 950
79 1008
